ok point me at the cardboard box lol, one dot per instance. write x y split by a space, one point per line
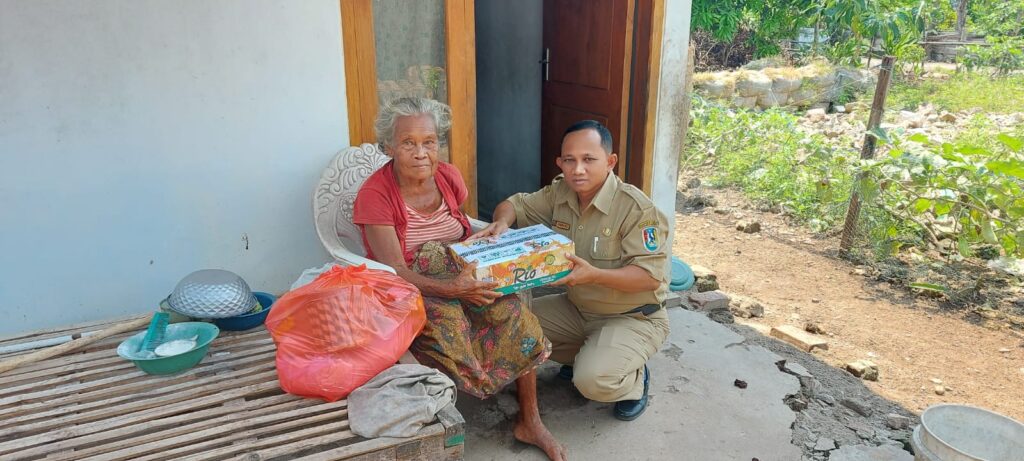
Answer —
519 259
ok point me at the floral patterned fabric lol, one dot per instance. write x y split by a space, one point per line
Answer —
482 348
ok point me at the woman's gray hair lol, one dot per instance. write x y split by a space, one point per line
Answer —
406 107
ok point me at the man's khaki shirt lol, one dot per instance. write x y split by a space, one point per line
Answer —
620 227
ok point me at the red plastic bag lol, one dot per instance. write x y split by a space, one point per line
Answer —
342 329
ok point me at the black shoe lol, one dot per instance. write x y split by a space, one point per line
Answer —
628 410
565 372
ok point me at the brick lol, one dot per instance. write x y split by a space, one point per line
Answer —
799 338
864 369
710 300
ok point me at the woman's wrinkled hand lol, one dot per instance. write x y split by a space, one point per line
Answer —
471 290
493 230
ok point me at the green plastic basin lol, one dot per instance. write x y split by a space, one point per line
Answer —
206 332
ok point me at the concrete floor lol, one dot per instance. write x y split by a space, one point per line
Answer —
696 412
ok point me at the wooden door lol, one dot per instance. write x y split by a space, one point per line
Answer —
587 45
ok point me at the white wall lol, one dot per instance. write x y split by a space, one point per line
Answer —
143 139
669 128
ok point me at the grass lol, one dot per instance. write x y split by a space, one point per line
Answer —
961 91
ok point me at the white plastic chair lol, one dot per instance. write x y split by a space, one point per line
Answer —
333 199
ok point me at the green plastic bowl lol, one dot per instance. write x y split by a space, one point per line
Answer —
206 332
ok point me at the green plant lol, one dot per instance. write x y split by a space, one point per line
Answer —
1003 55
910 60
996 17
845 53
765 155
967 194
767 21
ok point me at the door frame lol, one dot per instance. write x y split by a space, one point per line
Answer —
460 56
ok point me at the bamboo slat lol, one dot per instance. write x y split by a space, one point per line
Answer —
91 404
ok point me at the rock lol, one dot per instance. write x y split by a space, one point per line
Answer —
784 84
827 399
870 453
936 381
693 183
710 301
840 108
721 316
703 285
722 211
864 369
793 368
812 327
825 444
796 403
720 89
940 390
856 405
799 338
752 84
748 227
895 421
911 119
740 383
705 279
772 99
816 115
1004 350
802 97
810 386
746 307
744 102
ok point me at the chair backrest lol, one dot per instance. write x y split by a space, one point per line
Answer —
335 194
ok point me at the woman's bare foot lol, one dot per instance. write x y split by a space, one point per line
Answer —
533 432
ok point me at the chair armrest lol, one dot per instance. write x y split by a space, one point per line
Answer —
351 259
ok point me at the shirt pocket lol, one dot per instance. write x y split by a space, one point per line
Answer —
606 248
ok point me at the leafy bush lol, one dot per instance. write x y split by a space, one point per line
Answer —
1003 55
996 17
970 195
915 193
765 155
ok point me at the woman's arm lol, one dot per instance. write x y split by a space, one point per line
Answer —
386 249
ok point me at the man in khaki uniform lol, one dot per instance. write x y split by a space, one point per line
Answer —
610 321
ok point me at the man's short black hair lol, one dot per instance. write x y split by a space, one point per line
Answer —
606 136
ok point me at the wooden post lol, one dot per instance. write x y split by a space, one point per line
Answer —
867 151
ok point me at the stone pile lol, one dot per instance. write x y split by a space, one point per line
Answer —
808 86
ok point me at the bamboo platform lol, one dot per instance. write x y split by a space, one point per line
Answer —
91 404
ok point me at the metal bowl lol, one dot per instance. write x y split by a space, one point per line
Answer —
211 294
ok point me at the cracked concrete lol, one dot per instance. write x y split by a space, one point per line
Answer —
696 412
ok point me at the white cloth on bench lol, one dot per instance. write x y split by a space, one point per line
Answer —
399 401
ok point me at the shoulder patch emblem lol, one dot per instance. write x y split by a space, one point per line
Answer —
650 236
561 225
644 224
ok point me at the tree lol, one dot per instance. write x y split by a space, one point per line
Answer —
961 19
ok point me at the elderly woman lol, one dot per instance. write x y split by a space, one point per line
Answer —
407 211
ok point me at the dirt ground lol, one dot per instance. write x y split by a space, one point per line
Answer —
798 278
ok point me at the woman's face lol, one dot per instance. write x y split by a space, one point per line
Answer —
414 147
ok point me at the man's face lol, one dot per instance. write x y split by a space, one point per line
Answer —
584 162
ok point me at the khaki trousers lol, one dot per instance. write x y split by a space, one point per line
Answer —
607 352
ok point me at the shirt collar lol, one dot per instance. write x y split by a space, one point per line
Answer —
602 201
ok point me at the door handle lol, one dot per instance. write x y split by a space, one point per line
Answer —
546 62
